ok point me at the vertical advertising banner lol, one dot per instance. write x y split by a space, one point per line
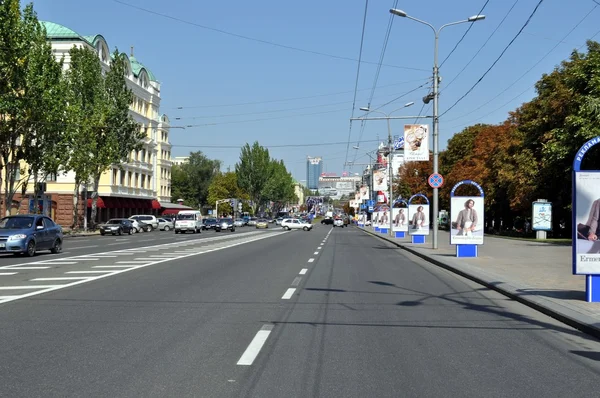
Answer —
384 219
418 216
587 205
364 193
541 216
466 215
400 219
416 142
380 180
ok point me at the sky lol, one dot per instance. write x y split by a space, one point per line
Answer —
286 74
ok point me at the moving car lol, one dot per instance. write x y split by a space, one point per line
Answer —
338 222
327 221
29 233
294 223
117 226
239 222
225 223
165 224
209 223
262 223
188 220
146 219
252 221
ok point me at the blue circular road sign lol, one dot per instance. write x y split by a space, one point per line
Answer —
435 180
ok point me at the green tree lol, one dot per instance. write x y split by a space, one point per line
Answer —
225 186
279 188
254 171
190 180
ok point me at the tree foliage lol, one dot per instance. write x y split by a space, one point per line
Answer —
225 186
190 181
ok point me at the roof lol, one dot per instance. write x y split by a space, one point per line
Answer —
56 31
168 205
137 66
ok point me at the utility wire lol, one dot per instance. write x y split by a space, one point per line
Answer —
482 46
464 34
255 39
497 59
532 67
268 146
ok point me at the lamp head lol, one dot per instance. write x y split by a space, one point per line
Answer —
364 108
475 18
397 12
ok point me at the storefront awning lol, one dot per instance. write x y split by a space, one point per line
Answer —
156 204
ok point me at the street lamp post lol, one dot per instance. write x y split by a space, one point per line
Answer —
435 96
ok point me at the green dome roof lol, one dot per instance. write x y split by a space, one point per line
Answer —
137 66
56 31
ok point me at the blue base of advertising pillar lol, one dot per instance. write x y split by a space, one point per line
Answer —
400 234
418 238
592 288
383 230
466 250
376 229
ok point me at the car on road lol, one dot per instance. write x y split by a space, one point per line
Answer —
225 224
209 223
278 220
117 226
239 222
146 219
188 220
262 223
252 221
28 233
294 223
165 224
140 226
338 222
327 221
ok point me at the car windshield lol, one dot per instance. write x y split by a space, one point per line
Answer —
16 222
185 216
114 221
226 220
210 221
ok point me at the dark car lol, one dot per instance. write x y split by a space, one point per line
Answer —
327 221
209 223
29 233
117 226
225 223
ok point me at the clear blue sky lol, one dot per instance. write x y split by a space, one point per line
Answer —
235 90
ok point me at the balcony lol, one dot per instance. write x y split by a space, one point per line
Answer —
133 192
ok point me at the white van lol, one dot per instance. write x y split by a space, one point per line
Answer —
188 220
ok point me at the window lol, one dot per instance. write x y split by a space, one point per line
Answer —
142 181
129 180
51 177
114 176
137 178
39 222
48 223
122 177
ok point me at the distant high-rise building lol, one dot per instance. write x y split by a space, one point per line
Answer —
314 168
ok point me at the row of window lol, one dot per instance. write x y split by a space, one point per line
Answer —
131 179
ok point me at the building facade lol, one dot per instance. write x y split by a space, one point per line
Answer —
314 168
137 186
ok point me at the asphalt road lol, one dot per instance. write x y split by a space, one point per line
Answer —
328 313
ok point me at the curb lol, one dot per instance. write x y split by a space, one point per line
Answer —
538 305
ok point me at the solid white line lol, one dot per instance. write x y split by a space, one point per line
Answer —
303 271
86 272
288 294
131 262
87 258
310 260
150 259
8 273
316 253
101 256
81 247
255 346
111 266
15 267
64 278
28 287
56 262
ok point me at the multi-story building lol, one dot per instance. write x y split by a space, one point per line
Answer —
179 160
141 185
314 168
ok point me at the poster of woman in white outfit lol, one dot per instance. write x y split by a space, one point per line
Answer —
466 213
419 219
400 219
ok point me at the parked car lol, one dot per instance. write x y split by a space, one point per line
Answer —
165 225
225 223
146 219
117 226
139 226
294 223
29 233
262 223
209 223
238 222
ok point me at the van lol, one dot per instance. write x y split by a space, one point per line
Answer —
188 220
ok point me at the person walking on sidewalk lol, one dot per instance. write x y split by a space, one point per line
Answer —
467 219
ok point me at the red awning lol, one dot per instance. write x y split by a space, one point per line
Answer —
155 204
99 203
170 211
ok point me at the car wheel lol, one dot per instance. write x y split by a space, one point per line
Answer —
57 247
287 228
149 228
30 249
167 228
176 232
120 231
305 228
232 229
130 231
102 233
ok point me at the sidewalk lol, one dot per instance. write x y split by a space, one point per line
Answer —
534 273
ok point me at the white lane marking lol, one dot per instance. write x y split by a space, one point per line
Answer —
288 294
8 273
255 346
51 262
99 256
114 244
303 271
310 260
81 247
87 258
87 272
320 247
147 259
28 287
316 253
131 262
112 266
64 278
296 281
50 288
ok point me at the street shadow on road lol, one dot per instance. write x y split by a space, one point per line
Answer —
317 289
559 294
593 355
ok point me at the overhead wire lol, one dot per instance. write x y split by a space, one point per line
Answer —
496 60
464 34
296 145
255 39
531 68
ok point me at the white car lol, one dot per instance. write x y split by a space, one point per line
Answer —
294 223
238 222
146 219
165 225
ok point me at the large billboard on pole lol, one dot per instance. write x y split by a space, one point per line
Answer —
416 142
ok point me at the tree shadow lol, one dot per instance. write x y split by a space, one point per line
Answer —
593 355
558 294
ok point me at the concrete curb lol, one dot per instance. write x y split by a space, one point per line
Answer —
565 315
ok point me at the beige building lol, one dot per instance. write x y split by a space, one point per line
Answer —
143 184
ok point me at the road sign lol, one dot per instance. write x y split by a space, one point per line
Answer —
240 206
232 202
435 180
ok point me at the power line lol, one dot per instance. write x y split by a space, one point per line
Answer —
255 39
532 67
267 146
464 34
482 46
497 59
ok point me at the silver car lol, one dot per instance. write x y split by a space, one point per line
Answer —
165 225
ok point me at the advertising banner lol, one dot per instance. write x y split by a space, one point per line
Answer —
541 216
400 219
416 142
587 213
418 216
466 215
384 219
380 180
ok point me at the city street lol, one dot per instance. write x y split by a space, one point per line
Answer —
332 312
